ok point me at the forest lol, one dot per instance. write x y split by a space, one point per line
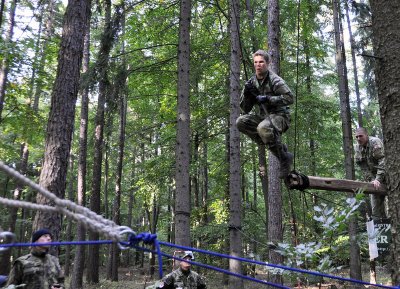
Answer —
128 108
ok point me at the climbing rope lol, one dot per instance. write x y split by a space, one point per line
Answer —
83 215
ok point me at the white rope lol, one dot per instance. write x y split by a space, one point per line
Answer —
26 205
83 215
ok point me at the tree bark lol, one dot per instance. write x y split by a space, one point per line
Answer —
2 5
262 157
355 261
275 228
62 112
68 233
354 62
120 92
235 203
182 202
195 178
386 35
102 65
79 259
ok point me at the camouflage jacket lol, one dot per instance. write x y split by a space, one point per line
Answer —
36 271
272 85
179 279
371 159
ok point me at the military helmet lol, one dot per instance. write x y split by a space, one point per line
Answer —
187 254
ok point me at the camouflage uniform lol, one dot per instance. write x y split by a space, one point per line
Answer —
272 118
37 271
181 279
371 160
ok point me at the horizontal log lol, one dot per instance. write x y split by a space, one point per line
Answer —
298 181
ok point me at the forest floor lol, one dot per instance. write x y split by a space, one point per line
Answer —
135 279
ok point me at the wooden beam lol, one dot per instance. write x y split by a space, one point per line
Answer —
299 181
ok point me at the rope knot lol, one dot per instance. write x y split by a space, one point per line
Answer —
147 238
298 181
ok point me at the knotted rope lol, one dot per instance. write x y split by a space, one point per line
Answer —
85 216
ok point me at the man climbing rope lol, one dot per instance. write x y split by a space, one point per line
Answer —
37 270
273 96
183 277
370 157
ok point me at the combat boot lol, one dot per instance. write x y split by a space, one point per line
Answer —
285 158
286 164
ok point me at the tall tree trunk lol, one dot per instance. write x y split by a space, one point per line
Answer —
79 259
365 207
62 112
24 230
120 93
182 202
204 195
250 15
275 228
131 202
226 246
153 220
312 117
262 164
313 123
386 35
12 220
107 151
235 203
2 6
35 64
195 178
354 61
37 84
68 233
5 63
262 157
204 221
102 65
171 213
355 262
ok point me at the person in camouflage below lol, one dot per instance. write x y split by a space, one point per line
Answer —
37 270
272 119
370 157
183 277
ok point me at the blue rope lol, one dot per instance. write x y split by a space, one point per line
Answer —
214 268
147 238
77 243
228 272
277 266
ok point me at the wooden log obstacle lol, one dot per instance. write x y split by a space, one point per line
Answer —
299 181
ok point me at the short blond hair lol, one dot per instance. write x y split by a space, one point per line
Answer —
362 130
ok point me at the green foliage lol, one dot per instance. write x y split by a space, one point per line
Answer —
323 255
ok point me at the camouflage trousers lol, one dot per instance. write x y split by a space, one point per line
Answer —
268 130
378 206
263 130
